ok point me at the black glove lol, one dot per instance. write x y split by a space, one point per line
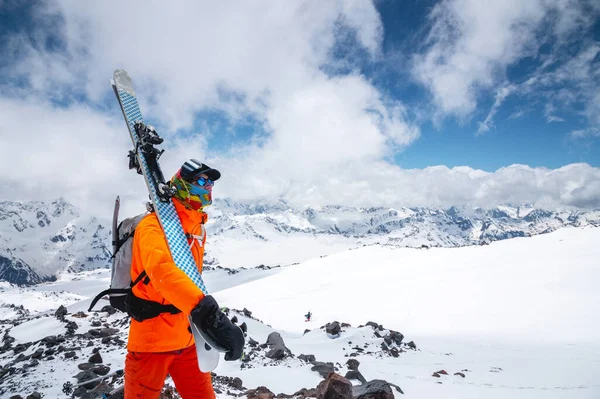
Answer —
217 329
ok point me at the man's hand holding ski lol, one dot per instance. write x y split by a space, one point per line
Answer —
217 329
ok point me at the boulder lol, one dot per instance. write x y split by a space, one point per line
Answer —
323 368
374 389
352 364
334 387
333 329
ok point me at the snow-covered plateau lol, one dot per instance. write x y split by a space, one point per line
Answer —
513 319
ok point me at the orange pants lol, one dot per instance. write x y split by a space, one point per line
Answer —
145 374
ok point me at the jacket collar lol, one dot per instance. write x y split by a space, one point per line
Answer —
189 217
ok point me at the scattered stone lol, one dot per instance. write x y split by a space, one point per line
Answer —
375 389
333 329
335 387
38 353
95 358
277 353
259 393
323 368
61 312
307 358
69 354
100 369
355 375
353 364
109 309
412 345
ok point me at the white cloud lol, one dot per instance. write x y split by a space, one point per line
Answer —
472 43
327 137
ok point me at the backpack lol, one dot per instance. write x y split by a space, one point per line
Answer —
120 293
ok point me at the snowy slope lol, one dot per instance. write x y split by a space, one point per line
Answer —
516 317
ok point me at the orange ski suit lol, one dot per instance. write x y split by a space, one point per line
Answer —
164 344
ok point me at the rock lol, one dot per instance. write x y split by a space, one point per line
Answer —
374 389
96 323
38 353
394 352
334 387
412 345
35 395
277 346
20 348
333 328
396 337
247 313
79 314
98 391
85 366
109 309
307 358
277 353
52 340
252 342
306 331
323 368
107 332
460 374
237 383
95 358
244 327
442 372
69 354
353 364
259 393
61 312
355 375
234 319
100 369
373 324
274 340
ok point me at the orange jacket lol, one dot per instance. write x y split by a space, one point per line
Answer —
168 284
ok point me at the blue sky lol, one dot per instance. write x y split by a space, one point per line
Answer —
400 85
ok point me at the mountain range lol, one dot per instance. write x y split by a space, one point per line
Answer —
41 240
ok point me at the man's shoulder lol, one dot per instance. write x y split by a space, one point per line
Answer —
149 221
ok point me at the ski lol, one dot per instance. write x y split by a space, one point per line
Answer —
144 158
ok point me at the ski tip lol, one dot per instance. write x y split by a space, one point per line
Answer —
123 82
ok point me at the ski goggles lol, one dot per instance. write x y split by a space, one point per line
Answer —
203 182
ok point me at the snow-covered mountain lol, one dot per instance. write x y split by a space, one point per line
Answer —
40 240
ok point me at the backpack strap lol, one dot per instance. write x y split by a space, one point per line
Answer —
106 292
142 309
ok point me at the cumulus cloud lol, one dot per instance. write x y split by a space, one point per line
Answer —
325 137
471 44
